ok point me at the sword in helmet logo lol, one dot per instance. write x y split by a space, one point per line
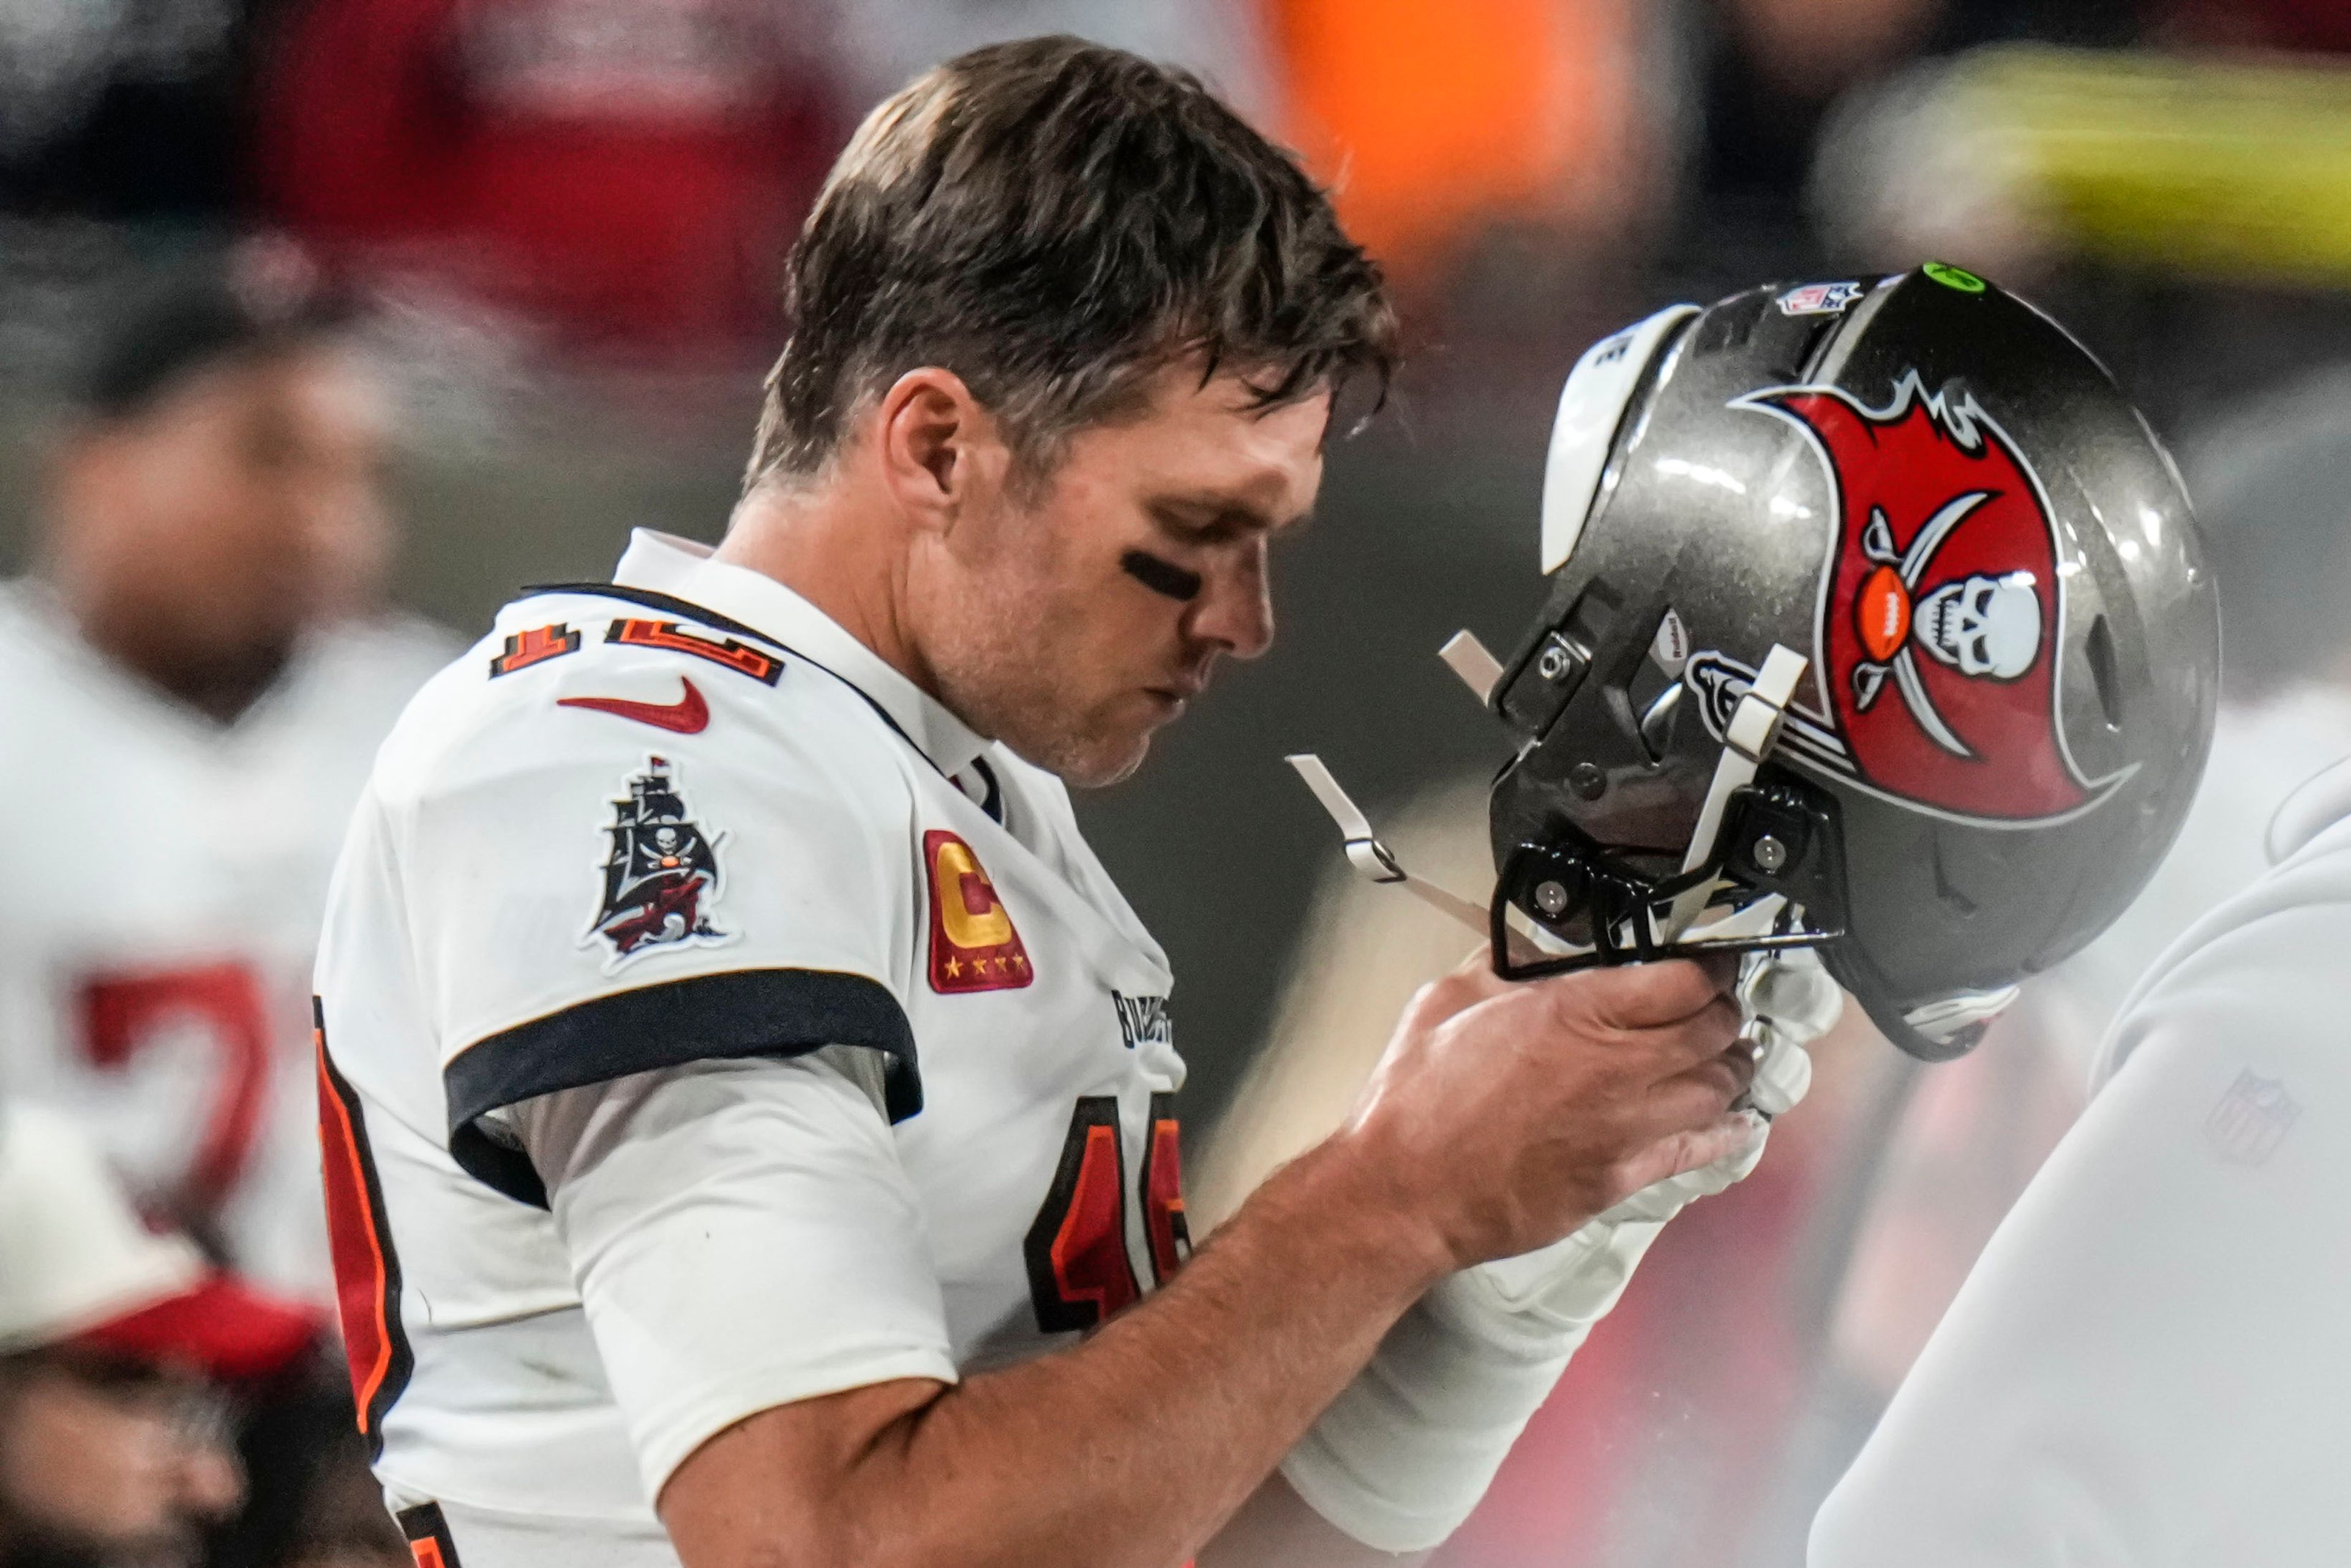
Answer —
1984 627
660 873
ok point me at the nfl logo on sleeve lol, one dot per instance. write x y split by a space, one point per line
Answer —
973 945
2251 1119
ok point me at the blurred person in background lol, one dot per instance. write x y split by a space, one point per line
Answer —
122 1355
198 676
625 173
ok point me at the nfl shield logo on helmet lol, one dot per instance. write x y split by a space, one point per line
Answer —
1941 617
660 873
1819 298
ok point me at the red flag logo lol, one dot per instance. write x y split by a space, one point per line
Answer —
1941 609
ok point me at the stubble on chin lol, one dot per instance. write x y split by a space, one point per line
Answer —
1083 757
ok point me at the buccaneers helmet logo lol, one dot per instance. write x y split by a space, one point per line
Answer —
1941 609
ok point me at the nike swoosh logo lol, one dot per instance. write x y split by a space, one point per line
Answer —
687 716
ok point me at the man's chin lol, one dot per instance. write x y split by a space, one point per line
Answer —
1088 762
1100 769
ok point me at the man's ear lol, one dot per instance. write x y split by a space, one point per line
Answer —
940 447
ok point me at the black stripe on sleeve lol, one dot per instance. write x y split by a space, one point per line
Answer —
709 1018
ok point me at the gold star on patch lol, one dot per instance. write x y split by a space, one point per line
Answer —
954 969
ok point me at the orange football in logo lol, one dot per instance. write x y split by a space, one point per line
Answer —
1882 613
973 945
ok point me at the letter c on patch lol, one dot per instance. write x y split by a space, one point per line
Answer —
974 916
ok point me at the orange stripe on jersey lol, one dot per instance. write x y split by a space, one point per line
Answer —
427 1554
740 657
367 1275
535 646
1164 1222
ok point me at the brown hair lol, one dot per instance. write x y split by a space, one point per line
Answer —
1054 221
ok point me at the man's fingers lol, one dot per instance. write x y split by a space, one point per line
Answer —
1690 1149
1705 1034
1644 996
1727 1072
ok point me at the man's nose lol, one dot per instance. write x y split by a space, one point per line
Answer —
1235 609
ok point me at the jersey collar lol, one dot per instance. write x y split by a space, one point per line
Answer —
685 570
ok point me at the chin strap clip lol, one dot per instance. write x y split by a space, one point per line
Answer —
1378 864
1748 739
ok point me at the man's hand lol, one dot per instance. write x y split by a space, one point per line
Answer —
1504 1116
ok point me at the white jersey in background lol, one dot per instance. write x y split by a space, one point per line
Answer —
165 878
712 1020
2148 1367
2262 751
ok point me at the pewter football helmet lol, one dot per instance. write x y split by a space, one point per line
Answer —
1876 623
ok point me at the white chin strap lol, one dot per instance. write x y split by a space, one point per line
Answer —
1749 738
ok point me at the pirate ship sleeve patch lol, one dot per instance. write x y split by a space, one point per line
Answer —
794 974
730 1015
661 875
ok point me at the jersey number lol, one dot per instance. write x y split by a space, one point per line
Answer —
1079 1271
124 1015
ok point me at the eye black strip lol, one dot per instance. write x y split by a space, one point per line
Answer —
1161 576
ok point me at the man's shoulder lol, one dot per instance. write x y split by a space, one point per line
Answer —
2265 963
585 679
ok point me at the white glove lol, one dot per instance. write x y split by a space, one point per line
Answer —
1402 1455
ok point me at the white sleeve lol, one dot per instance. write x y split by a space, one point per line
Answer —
2150 1364
742 1235
581 906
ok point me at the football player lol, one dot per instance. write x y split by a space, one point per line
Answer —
747 1100
191 702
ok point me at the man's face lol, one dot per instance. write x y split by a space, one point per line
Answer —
111 1461
239 506
1036 617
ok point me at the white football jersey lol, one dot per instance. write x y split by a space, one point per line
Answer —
166 877
684 820
2148 1364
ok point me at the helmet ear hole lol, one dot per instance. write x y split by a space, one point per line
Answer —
2100 648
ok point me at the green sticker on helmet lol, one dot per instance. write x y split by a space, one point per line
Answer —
1950 277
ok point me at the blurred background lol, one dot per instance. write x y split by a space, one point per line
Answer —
325 325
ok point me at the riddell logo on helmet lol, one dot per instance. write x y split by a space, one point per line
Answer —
1941 612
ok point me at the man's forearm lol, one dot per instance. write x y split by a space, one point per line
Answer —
1132 1449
